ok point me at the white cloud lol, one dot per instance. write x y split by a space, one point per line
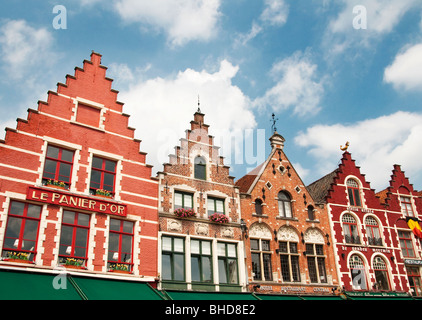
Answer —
181 20
376 145
297 86
382 16
275 12
24 47
406 70
162 108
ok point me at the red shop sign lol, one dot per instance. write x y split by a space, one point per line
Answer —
75 201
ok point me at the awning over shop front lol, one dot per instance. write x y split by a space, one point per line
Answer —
277 297
364 295
24 285
19 285
195 295
105 289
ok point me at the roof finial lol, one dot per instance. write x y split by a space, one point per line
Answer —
199 110
273 120
345 147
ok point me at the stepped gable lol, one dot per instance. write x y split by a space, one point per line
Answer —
86 100
319 189
198 142
348 167
399 184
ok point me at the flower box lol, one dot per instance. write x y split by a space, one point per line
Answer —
56 184
184 213
18 260
219 218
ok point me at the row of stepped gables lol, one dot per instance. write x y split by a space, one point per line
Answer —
76 193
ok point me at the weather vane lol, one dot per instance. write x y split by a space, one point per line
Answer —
345 147
199 110
273 120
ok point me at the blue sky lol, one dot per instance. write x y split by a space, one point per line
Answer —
328 77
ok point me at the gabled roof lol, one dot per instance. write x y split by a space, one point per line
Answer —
248 180
319 189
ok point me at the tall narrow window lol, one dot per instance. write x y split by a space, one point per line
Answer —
381 274
58 165
284 205
353 192
183 200
373 232
289 259
215 205
120 245
406 206
173 259
261 260
201 260
103 175
316 263
200 168
414 281
357 270
350 229
311 214
406 244
227 263
21 234
74 239
258 206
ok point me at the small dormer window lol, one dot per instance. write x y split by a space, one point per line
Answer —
200 168
353 192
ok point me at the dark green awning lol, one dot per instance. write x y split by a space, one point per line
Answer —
369 295
268 296
195 295
24 285
108 289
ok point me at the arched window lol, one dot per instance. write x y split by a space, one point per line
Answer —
357 270
381 274
258 206
311 215
353 192
284 205
200 168
350 229
373 232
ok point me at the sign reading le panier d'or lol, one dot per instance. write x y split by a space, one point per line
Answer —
75 201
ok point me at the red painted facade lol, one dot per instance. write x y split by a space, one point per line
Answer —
366 229
75 190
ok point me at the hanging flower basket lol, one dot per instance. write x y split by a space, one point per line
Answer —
219 218
184 213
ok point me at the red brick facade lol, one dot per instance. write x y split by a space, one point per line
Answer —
369 246
207 189
288 247
81 139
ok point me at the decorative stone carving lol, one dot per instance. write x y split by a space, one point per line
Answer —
227 232
201 229
174 225
313 235
286 233
259 230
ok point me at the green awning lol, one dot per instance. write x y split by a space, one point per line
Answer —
322 297
196 295
368 295
265 296
24 285
108 289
